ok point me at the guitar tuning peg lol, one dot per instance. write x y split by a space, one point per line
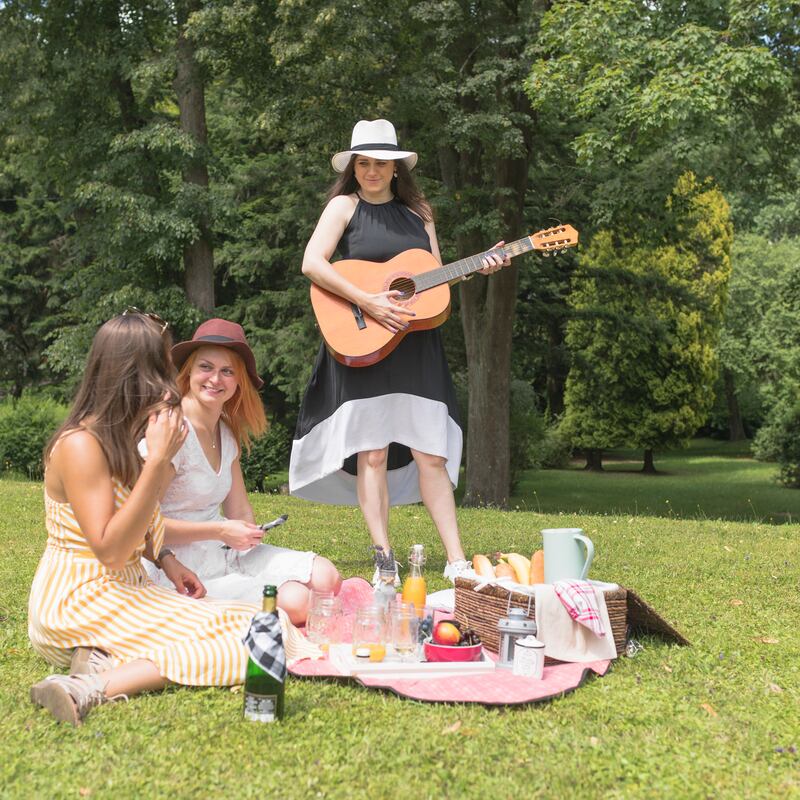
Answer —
546 254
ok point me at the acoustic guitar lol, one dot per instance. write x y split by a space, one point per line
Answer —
357 340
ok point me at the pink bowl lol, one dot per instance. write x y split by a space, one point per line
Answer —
448 652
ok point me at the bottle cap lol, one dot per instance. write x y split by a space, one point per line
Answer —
529 641
270 590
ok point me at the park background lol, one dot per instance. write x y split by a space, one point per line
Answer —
174 156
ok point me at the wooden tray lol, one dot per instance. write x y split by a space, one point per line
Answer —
341 657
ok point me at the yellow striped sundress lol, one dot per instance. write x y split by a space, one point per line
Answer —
75 601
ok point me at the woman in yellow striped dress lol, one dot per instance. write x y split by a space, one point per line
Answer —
90 589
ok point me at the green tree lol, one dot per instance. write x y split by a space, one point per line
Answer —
759 351
646 327
659 89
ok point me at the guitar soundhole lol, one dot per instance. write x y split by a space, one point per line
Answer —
404 285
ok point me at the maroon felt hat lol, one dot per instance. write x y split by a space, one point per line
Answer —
219 333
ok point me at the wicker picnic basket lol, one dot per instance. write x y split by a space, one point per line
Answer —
482 610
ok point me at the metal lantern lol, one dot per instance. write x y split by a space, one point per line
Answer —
513 627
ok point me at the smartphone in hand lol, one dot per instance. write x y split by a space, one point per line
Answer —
274 524
267 526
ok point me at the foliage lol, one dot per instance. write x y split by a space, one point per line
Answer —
646 325
26 426
93 157
526 429
267 456
67 354
702 87
553 450
31 240
760 337
789 453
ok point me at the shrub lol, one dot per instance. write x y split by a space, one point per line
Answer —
780 439
526 429
769 439
553 450
269 455
26 425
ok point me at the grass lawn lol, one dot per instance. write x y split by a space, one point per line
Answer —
710 480
715 720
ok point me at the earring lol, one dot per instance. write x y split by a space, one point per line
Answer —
395 174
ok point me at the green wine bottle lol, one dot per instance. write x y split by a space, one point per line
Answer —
263 693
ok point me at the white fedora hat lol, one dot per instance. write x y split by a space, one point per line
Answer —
375 139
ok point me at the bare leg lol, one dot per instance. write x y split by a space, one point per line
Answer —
324 576
373 495
437 494
137 676
293 598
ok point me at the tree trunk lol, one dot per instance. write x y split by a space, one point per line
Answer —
736 431
198 255
649 466
594 460
487 316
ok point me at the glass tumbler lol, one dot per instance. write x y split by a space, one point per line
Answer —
404 624
323 623
369 634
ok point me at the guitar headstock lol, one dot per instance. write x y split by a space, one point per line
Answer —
554 239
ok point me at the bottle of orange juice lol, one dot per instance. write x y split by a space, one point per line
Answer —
414 589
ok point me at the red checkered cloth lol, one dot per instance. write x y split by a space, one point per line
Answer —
580 600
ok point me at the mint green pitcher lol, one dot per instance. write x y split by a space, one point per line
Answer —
568 554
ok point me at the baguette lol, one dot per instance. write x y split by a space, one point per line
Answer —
537 567
482 566
504 570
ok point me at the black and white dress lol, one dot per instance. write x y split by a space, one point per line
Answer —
407 400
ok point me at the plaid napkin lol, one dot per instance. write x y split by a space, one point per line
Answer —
264 642
579 599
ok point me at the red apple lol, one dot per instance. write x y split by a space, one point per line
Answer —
446 632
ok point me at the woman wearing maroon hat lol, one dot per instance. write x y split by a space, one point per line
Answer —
219 384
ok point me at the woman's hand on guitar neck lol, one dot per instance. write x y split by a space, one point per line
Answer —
493 261
381 308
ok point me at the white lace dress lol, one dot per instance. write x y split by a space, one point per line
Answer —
196 494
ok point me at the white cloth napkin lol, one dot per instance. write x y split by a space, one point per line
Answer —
565 639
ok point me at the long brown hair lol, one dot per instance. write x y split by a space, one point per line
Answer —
244 412
403 187
128 374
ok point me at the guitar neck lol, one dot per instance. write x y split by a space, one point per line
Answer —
466 266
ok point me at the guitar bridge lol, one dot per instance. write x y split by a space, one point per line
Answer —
359 315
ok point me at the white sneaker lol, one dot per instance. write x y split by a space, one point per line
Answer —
458 569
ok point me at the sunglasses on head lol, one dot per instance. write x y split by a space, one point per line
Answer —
149 314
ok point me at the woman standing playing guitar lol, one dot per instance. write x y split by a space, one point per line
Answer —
386 434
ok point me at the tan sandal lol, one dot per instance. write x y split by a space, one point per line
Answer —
69 698
89 661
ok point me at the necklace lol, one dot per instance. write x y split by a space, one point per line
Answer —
212 435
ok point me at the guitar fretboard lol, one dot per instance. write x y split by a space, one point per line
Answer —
466 266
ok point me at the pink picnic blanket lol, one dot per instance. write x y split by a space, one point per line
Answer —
491 689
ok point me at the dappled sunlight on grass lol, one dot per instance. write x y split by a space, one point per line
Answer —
707 481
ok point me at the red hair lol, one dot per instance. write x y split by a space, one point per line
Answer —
244 412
